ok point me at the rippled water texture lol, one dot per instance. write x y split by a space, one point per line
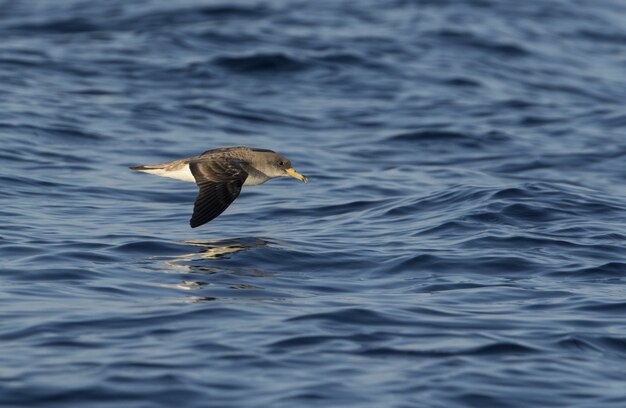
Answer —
462 241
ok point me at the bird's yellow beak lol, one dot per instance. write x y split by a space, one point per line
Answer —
297 175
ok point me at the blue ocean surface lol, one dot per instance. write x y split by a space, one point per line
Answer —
461 242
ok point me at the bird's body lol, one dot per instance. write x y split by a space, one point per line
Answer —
221 173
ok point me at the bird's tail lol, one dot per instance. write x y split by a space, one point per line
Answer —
147 167
156 169
178 169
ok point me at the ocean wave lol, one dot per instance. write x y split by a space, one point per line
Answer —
261 63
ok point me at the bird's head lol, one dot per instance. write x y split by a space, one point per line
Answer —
279 166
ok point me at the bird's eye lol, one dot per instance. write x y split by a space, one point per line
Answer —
281 163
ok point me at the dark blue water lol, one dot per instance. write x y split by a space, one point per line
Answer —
462 241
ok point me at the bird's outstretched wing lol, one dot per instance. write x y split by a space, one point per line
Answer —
220 182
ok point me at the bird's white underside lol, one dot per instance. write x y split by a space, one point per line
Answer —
184 173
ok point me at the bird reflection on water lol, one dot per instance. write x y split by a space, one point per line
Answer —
215 250
208 262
